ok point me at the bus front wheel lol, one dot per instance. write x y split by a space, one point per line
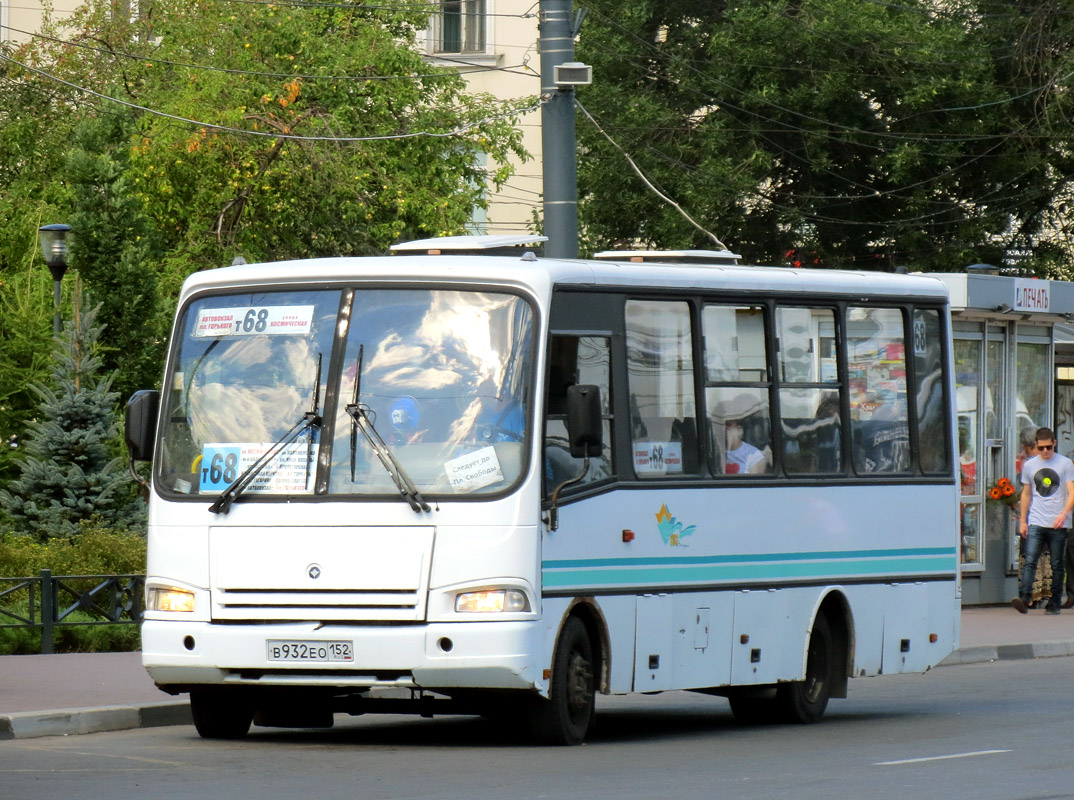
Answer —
804 701
220 713
565 717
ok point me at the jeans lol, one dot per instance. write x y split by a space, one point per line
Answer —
1055 539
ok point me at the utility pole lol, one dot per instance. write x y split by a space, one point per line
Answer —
560 170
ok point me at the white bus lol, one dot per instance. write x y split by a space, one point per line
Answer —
503 484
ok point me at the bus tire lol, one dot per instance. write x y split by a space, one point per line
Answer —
220 713
804 701
564 718
751 706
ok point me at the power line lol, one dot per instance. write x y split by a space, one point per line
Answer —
417 8
647 182
269 134
885 134
514 69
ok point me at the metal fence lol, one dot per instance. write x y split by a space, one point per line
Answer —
48 601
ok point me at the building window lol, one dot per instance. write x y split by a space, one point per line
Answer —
460 27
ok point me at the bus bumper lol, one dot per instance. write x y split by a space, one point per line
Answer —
486 655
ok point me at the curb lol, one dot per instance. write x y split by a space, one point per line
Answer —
1008 652
72 721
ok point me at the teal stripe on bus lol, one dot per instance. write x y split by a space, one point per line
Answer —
829 555
644 572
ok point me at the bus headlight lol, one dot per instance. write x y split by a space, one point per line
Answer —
492 600
169 599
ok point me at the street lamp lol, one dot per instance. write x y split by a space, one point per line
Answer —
54 247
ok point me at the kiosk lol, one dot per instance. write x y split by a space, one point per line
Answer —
1005 366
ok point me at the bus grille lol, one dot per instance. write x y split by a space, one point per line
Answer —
342 605
320 574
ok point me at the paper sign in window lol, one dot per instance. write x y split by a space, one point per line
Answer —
474 471
253 320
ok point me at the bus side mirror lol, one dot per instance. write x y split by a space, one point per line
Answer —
140 424
585 427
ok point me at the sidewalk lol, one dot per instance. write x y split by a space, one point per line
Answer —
60 695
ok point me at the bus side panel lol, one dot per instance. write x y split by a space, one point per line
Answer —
916 611
867 616
771 628
702 637
619 612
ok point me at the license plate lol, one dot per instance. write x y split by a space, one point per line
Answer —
309 651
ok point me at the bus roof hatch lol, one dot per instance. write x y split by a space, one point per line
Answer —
487 245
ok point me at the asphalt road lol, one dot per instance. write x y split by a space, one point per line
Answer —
999 730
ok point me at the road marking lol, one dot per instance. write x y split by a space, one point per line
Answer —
939 758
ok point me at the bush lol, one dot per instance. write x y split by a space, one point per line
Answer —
112 638
95 551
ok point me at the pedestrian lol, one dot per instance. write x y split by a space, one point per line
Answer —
1044 517
1068 563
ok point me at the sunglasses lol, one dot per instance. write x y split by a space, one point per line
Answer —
1045 446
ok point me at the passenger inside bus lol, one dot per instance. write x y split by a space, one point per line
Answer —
742 457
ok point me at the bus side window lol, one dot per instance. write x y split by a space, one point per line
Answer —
876 356
810 399
575 360
736 390
928 373
660 376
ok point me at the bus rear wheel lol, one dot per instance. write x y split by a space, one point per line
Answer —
805 701
221 713
564 718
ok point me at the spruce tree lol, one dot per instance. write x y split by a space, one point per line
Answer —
68 474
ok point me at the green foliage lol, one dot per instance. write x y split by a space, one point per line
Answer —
318 131
109 638
113 252
25 299
932 135
98 550
68 474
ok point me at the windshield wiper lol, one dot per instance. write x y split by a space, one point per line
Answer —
309 420
360 421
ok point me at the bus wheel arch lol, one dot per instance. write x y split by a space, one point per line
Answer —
827 665
565 716
840 618
804 701
591 616
577 674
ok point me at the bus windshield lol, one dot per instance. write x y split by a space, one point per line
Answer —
433 384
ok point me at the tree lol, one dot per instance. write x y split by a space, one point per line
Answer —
291 131
916 133
308 130
114 252
69 474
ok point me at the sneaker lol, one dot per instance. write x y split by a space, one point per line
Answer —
1019 605
1051 611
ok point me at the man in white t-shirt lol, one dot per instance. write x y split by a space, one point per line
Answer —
1046 503
742 457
